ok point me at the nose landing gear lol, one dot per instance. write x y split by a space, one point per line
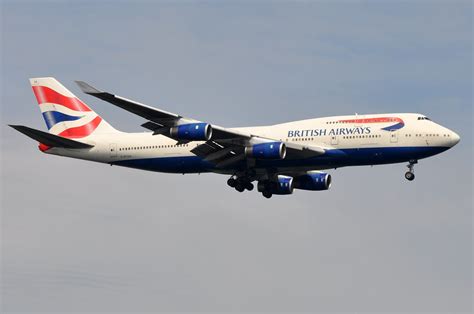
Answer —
410 174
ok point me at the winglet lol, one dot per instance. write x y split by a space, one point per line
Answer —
87 89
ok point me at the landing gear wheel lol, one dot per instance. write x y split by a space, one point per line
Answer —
239 188
249 186
232 182
266 194
410 176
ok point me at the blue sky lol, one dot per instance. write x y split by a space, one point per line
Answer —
84 237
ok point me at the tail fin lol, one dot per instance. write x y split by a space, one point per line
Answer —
65 114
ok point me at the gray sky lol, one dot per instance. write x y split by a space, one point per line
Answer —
85 237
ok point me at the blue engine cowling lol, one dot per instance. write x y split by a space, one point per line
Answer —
271 150
314 181
192 132
283 185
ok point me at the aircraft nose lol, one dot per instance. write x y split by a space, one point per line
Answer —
455 138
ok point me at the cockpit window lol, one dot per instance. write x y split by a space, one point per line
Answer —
424 118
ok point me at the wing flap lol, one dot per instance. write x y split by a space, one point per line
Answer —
229 161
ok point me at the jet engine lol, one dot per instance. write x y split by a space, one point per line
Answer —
270 150
192 132
313 181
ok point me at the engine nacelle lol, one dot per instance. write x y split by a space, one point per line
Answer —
271 150
313 181
283 185
192 132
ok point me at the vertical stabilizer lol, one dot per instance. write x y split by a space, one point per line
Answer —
65 114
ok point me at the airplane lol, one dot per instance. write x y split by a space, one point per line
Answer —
279 158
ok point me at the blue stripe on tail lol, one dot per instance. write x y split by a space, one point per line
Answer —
53 117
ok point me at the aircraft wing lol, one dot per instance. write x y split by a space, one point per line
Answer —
225 154
226 146
159 120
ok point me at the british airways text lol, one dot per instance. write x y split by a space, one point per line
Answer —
324 132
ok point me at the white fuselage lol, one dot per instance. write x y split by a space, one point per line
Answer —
349 140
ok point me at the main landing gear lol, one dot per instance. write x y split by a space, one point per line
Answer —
240 184
267 194
410 174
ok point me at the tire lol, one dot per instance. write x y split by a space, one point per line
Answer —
249 186
240 188
410 176
232 182
267 194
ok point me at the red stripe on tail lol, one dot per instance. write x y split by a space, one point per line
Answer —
47 95
83 130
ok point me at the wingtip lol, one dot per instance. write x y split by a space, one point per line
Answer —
18 127
86 88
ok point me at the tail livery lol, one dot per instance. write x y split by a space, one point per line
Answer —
65 114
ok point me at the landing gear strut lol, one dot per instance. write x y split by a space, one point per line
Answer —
410 174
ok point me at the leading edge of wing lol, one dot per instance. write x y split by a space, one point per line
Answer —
153 114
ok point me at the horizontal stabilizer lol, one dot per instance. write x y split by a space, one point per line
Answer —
49 139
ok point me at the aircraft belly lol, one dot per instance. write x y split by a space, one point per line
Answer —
331 159
354 157
184 164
